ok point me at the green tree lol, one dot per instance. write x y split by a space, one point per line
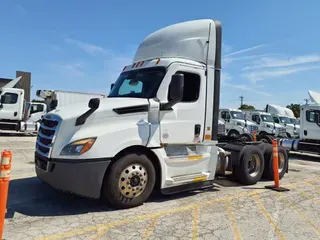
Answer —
246 107
295 108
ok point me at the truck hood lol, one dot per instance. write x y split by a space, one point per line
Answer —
249 123
105 108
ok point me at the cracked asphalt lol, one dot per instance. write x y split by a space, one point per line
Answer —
227 211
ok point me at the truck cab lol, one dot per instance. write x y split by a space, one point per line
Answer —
265 123
158 127
235 122
11 104
310 122
292 130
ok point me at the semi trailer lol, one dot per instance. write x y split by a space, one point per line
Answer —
157 128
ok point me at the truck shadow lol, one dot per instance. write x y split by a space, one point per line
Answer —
304 157
31 197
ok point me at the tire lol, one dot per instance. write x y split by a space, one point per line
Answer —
136 176
266 139
242 173
283 163
233 133
246 137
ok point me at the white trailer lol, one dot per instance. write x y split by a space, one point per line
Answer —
158 127
280 116
58 98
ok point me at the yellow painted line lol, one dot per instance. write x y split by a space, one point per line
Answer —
195 157
151 227
314 187
148 216
101 232
306 195
195 222
295 208
235 228
267 215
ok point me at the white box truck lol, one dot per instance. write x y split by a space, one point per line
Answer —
158 127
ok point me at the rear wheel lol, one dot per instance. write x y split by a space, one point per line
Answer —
266 139
282 163
233 134
251 165
130 181
247 137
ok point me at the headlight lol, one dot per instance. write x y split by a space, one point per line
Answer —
78 147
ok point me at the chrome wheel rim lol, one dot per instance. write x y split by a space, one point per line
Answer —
254 165
281 162
133 180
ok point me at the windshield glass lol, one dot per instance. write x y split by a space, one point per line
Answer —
237 115
267 118
143 83
293 120
285 120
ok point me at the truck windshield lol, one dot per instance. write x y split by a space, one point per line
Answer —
284 120
293 120
267 118
143 83
237 115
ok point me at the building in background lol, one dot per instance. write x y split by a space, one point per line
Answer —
24 83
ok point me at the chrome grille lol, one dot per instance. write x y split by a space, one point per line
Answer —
221 129
46 133
282 131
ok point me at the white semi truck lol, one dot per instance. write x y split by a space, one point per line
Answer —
158 127
265 123
279 115
309 139
15 112
236 125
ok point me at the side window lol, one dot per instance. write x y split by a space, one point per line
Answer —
36 108
10 98
223 115
227 115
128 86
191 87
276 120
310 116
254 118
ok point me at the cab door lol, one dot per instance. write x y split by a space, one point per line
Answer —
184 122
11 104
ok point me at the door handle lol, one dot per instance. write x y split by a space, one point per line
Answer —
197 129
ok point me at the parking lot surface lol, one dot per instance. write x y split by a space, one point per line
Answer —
227 211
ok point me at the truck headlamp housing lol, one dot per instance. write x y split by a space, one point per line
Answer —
78 147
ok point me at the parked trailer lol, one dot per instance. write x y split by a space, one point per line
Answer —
158 127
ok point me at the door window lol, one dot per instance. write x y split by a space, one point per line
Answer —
10 98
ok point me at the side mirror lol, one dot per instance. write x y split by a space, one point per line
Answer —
112 85
54 104
94 103
3 99
175 90
316 117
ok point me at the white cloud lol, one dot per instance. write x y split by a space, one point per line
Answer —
260 75
87 47
248 49
268 62
75 70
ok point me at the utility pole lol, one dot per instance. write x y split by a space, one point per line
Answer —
241 99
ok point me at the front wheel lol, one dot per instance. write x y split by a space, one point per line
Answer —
251 165
130 181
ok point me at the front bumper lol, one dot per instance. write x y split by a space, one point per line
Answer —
83 178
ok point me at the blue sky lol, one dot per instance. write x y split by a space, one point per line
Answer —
271 49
